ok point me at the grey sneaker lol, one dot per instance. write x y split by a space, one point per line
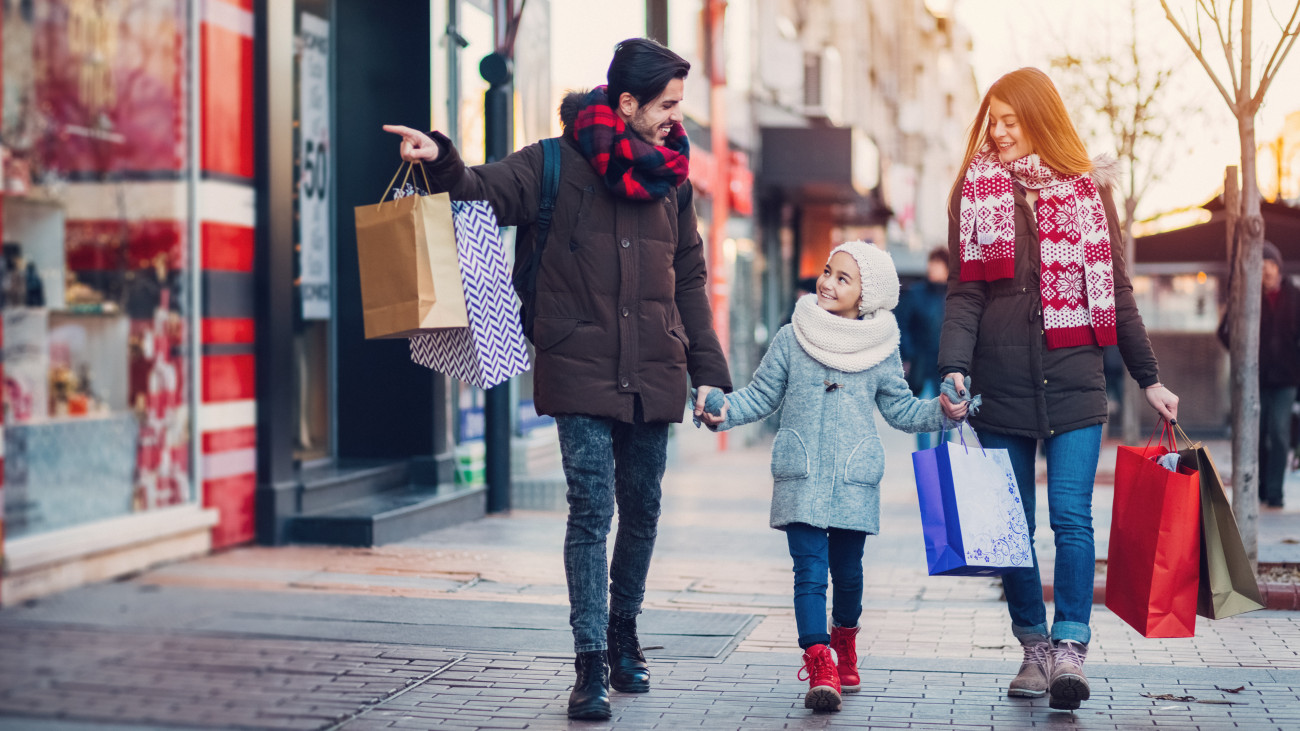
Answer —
1031 681
1068 685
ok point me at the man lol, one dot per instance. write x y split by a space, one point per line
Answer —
622 318
920 320
1279 372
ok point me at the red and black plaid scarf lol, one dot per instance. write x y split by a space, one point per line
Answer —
632 167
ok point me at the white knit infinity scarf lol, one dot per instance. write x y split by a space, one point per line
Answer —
844 344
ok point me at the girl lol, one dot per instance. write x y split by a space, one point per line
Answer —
1035 245
832 366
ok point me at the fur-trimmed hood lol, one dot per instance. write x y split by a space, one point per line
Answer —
1105 171
569 108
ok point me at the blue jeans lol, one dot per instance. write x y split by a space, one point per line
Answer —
1071 472
816 551
607 461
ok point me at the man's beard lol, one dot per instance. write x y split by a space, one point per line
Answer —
645 131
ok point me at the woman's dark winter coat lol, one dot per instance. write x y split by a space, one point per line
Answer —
622 310
993 333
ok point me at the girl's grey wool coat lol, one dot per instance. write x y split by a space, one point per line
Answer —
827 460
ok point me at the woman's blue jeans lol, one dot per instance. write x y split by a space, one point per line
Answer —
1071 472
817 551
605 462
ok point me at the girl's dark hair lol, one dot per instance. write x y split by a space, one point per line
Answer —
642 68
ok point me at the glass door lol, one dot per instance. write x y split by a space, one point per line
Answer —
314 236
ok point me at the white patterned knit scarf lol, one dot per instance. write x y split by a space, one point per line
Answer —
840 343
1077 283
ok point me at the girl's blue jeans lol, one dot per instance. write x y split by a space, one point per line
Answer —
1071 471
817 551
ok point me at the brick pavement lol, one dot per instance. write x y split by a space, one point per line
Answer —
936 652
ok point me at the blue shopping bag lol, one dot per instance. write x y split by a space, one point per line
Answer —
971 515
491 350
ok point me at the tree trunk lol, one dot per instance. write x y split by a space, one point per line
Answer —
1131 411
1245 309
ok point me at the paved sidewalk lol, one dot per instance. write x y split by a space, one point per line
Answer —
466 628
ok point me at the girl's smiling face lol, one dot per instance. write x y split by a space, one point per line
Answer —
839 288
1006 131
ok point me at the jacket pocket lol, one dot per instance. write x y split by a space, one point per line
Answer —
866 463
679 332
789 456
549 331
584 208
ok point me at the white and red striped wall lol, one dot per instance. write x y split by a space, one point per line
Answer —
227 411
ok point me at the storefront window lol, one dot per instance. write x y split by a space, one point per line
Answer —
96 231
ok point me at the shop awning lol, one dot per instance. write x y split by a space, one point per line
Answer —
836 166
1206 243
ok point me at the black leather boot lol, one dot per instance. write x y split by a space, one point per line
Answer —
590 697
627 666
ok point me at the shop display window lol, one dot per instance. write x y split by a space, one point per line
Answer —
93 275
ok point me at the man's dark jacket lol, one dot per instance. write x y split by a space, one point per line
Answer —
622 306
1279 338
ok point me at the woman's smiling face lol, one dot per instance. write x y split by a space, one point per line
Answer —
1007 132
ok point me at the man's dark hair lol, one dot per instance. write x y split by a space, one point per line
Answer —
938 253
643 68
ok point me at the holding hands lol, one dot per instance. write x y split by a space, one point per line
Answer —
955 410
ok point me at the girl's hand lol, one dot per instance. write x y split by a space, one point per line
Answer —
954 412
1163 401
700 397
416 145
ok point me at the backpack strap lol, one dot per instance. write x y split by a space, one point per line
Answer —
550 191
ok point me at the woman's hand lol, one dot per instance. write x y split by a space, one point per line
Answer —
954 412
1163 401
416 145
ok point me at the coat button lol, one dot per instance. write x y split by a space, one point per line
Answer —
1044 380
624 312
623 383
626 243
1051 431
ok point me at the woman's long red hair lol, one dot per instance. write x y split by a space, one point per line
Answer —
1042 118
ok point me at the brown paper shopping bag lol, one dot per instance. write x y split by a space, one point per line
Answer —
410 275
1228 584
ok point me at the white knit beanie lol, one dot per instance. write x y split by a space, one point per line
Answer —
880 285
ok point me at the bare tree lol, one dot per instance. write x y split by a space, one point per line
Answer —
1243 98
1124 101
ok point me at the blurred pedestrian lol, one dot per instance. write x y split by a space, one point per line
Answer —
829 371
1279 371
622 318
920 320
1035 245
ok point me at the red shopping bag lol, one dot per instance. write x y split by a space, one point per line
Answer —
1153 564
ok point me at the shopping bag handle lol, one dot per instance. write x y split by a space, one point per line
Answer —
961 433
1166 430
1186 438
409 167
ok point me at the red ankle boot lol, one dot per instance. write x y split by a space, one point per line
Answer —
844 641
823 682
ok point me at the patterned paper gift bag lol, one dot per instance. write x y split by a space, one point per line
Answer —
491 350
971 515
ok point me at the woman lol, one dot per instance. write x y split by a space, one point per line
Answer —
1038 286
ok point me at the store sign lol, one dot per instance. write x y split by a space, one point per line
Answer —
314 169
